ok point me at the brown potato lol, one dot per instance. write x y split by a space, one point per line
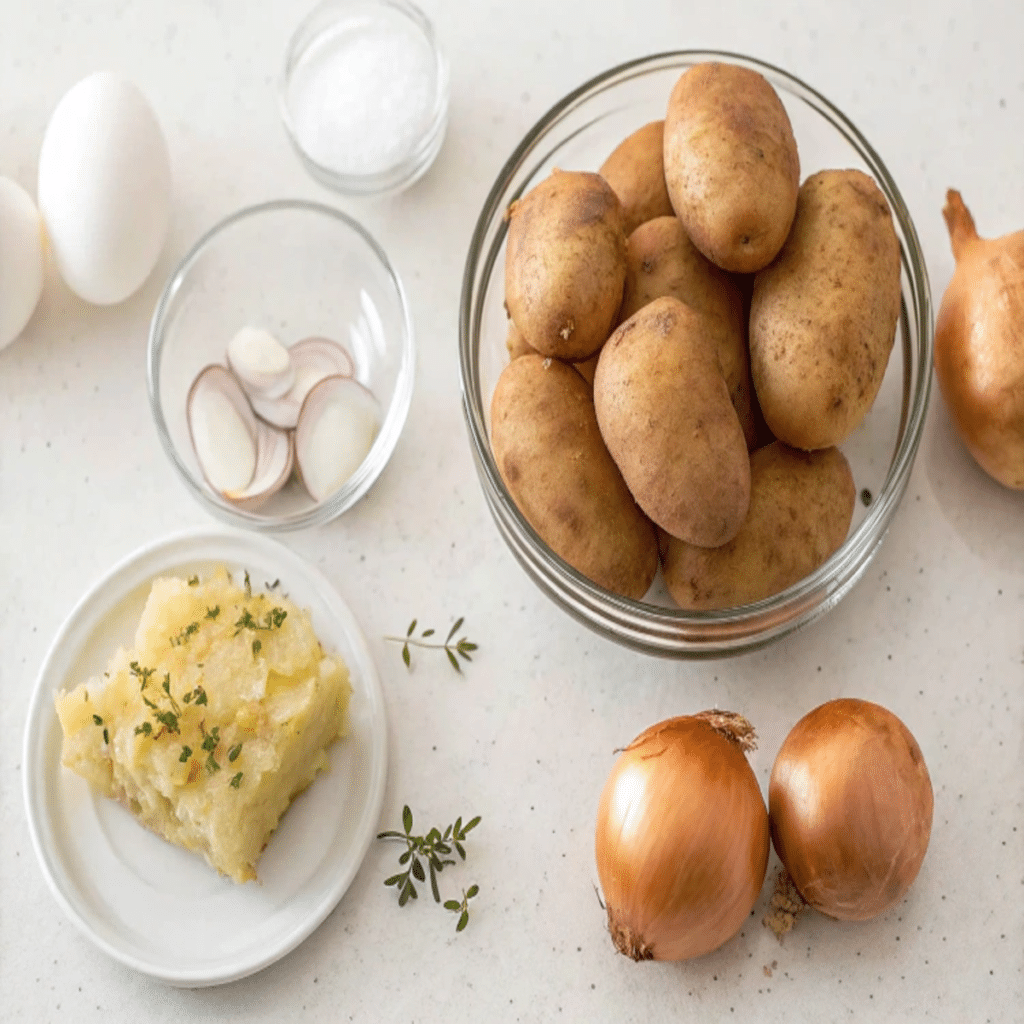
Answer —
661 260
549 452
518 346
801 506
823 315
635 170
731 164
664 412
565 264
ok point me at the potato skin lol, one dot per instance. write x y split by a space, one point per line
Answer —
665 415
565 264
661 260
731 164
801 506
635 169
550 455
517 346
823 315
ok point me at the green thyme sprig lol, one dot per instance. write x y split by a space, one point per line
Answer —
435 849
462 646
462 909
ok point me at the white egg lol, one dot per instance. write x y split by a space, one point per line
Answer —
21 259
105 188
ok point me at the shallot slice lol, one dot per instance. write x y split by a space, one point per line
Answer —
261 363
241 458
337 426
312 359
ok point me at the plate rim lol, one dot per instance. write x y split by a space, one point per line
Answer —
176 545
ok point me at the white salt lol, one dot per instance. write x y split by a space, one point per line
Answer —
363 95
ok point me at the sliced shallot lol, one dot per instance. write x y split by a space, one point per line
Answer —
337 427
261 363
242 458
312 360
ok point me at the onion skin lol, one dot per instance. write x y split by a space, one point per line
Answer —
682 838
850 804
979 345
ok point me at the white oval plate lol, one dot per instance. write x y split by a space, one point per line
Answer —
154 906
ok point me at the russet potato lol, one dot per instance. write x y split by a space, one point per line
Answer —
801 506
823 315
635 170
661 260
565 264
664 411
731 164
549 452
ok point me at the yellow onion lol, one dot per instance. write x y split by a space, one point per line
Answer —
979 344
850 804
682 838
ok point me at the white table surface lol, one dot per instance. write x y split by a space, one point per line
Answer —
934 630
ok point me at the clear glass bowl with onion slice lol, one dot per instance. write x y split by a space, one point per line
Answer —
280 365
578 133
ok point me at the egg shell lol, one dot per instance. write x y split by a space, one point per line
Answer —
21 259
105 188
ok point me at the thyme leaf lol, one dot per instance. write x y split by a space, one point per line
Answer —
451 647
434 849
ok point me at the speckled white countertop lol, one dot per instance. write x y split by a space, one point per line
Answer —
934 630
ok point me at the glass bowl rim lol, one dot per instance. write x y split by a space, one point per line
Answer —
654 629
395 412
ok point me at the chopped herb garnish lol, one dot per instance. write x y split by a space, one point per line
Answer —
248 585
236 780
256 648
188 631
186 753
142 674
272 620
212 613
234 752
211 738
193 581
97 719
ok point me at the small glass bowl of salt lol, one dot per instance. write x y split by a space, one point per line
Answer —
364 95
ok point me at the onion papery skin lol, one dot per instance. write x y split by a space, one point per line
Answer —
681 842
850 803
979 345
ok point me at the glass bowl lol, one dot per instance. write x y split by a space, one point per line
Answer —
364 95
297 269
578 133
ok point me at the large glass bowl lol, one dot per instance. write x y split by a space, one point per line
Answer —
578 133
298 269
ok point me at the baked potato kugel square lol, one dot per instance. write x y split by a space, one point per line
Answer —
211 724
